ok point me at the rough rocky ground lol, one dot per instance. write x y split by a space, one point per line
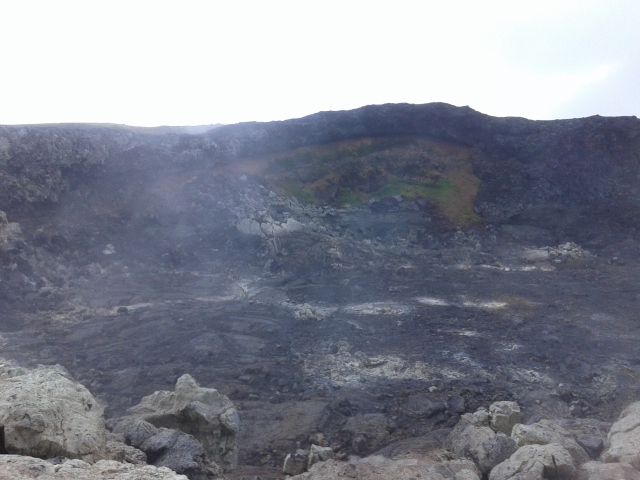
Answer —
367 323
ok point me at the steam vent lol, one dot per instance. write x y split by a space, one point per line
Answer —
397 291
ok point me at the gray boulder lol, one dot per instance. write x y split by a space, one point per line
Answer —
480 443
536 462
210 417
46 414
624 437
545 432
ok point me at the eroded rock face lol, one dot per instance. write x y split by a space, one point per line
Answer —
625 438
204 413
16 467
45 414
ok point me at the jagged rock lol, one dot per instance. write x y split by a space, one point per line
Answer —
504 415
45 414
536 462
480 443
319 454
377 467
16 467
296 463
545 432
607 471
624 437
204 413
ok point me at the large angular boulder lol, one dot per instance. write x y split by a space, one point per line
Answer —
45 413
474 439
211 418
536 462
624 437
16 467
545 432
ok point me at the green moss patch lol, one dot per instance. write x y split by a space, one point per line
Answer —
351 173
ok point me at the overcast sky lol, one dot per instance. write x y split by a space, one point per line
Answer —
191 62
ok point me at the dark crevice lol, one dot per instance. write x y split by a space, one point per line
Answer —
3 448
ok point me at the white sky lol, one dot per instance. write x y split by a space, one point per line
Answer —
191 62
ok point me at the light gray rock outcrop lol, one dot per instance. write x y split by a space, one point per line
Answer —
17 467
210 417
545 432
473 439
45 414
624 437
536 462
